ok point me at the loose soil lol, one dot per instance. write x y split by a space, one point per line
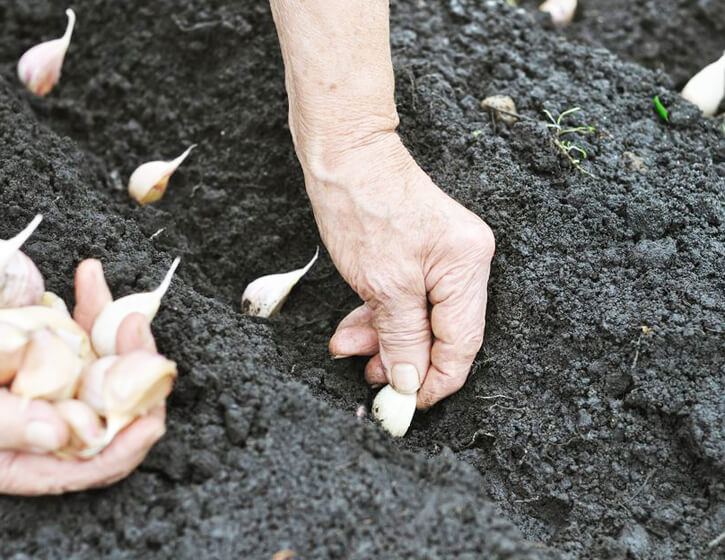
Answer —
580 434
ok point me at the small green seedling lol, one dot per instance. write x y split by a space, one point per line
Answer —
574 153
661 109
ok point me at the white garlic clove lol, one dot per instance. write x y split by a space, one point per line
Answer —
105 328
90 390
394 410
561 11
148 183
13 342
50 369
706 89
49 299
39 68
265 296
86 428
135 384
21 283
34 318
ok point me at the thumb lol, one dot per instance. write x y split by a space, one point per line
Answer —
404 335
33 426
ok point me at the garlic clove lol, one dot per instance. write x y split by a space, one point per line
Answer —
265 296
706 89
13 342
561 11
148 183
34 318
105 328
50 369
136 383
394 410
90 390
21 283
86 428
39 68
49 299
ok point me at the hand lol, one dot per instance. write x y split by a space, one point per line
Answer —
26 436
419 260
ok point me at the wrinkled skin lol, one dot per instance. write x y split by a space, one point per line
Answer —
26 468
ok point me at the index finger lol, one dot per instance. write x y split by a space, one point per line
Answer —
92 293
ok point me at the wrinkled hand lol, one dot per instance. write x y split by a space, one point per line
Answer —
419 260
26 436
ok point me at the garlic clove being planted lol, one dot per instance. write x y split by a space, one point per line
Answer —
13 342
394 410
21 283
103 333
561 11
86 428
148 183
90 390
706 89
265 296
50 369
39 68
136 383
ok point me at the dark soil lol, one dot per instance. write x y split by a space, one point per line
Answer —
577 435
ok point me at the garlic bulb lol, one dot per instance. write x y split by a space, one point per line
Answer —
49 299
13 342
103 333
561 11
706 89
21 283
50 369
136 383
86 428
90 390
394 410
265 296
39 68
148 183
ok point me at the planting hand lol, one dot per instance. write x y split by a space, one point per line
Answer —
418 259
28 434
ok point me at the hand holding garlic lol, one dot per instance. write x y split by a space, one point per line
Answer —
31 429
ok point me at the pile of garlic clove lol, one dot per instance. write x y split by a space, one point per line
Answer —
45 354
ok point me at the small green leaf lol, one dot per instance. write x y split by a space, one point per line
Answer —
661 110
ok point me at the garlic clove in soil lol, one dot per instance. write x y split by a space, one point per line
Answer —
13 342
136 383
90 390
49 299
394 410
21 283
39 68
706 89
148 183
105 329
86 428
265 296
50 369
561 11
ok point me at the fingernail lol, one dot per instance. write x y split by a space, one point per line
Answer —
42 436
340 356
405 378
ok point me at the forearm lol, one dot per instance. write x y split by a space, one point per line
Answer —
338 73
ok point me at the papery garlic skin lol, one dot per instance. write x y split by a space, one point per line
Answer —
135 384
50 369
265 296
149 181
105 328
706 89
21 283
39 68
394 410
13 342
85 425
561 11
90 389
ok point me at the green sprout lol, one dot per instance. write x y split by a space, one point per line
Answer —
573 152
661 109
